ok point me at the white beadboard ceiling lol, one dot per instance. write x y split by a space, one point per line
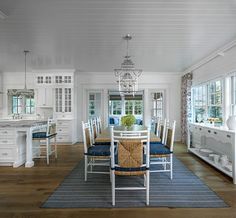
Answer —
168 35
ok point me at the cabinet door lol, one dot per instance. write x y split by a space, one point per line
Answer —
48 97
44 98
58 100
41 97
67 99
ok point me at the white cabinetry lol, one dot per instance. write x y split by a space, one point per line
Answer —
64 131
12 147
55 90
218 142
44 97
63 100
44 79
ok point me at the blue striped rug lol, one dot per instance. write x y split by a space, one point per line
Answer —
185 190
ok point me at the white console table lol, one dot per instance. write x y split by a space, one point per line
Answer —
219 140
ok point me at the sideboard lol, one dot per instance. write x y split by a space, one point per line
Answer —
215 145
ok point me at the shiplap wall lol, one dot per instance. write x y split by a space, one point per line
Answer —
220 66
148 81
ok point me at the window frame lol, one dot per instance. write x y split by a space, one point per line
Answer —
207 100
232 104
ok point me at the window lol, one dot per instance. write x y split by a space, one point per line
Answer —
233 95
94 104
134 107
17 105
115 107
138 107
215 100
157 104
29 106
199 103
23 105
124 105
207 102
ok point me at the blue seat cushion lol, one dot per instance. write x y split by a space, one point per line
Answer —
156 149
130 169
99 150
41 135
102 143
127 169
155 143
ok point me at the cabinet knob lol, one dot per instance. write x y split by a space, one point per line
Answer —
215 133
209 131
229 136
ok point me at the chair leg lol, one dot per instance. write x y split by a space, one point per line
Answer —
171 166
164 159
47 148
85 167
113 187
147 186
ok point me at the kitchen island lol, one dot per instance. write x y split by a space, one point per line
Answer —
16 141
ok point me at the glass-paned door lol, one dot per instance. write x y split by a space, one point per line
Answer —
94 104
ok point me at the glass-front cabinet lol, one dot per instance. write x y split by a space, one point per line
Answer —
63 100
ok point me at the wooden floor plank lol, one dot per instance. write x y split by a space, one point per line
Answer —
23 190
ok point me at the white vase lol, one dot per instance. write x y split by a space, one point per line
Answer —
231 122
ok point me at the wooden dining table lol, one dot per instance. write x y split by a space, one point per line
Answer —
106 137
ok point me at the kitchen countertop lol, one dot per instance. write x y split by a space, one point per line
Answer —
21 123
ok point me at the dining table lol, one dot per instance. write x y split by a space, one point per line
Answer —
105 135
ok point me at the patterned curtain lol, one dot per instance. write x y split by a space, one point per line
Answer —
186 114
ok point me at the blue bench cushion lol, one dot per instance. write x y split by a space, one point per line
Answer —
156 149
41 135
99 150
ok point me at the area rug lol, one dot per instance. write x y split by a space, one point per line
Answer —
185 190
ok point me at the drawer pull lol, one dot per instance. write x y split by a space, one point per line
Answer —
200 129
229 136
5 132
4 141
4 154
209 131
215 133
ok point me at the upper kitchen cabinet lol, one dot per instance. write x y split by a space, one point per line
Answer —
63 101
55 89
44 97
44 79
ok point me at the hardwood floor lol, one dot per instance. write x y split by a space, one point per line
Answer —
23 190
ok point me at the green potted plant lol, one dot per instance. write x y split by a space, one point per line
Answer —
128 120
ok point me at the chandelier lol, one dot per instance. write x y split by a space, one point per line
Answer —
127 74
